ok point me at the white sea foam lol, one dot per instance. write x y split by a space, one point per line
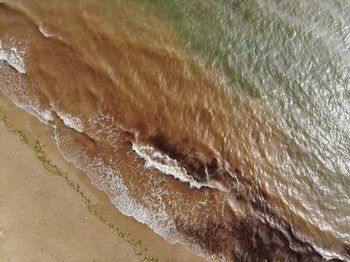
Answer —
105 124
43 117
69 120
13 57
14 89
101 174
164 164
46 115
44 31
109 180
169 166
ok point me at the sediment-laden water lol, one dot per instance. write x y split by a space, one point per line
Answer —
223 125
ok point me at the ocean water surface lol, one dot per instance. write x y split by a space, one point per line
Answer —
222 125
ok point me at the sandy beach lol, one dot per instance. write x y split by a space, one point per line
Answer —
50 215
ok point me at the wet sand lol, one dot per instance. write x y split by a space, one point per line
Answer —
42 218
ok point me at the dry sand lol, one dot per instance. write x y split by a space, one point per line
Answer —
43 218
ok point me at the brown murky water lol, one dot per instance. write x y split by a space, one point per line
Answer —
156 130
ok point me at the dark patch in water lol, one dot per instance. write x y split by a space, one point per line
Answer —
250 239
202 172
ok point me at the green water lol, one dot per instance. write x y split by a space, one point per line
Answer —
294 57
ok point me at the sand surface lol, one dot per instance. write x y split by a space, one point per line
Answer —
43 218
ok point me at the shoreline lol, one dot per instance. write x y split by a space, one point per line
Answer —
136 241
